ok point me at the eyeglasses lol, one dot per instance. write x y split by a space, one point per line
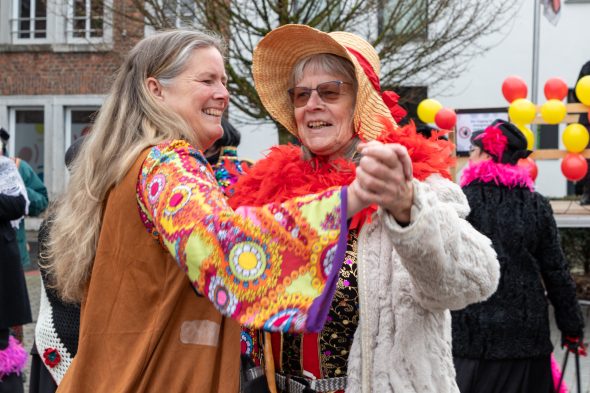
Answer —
329 92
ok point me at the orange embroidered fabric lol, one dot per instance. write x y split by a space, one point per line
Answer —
273 267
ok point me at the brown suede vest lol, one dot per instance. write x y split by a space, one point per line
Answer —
143 328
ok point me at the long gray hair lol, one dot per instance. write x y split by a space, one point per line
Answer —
129 121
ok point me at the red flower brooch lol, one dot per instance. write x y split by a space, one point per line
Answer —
51 357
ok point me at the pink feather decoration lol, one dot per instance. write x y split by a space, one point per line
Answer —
556 372
12 358
489 171
494 141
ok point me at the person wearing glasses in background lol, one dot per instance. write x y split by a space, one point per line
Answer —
411 256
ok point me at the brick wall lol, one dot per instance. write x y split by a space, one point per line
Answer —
39 70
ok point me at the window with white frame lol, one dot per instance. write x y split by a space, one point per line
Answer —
59 23
29 20
86 19
29 136
180 13
78 122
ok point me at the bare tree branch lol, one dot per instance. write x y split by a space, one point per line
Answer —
420 42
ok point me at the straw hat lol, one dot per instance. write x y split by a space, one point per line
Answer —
279 51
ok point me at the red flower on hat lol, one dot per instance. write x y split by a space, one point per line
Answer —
391 99
51 357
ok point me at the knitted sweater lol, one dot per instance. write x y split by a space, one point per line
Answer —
514 322
409 278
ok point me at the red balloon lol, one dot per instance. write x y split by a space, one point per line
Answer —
530 165
445 119
514 87
574 166
555 89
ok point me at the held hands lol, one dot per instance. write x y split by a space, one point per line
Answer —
384 177
574 344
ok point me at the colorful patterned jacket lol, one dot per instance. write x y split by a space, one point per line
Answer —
143 328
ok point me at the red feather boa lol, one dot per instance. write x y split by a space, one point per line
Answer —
432 155
283 174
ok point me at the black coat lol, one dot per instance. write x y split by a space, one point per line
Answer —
514 323
15 308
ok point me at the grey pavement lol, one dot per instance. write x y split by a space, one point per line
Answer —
33 284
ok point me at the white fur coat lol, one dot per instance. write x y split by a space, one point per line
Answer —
409 278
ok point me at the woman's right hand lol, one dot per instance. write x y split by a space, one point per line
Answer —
384 177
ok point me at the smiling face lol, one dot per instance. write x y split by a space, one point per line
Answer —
325 128
199 95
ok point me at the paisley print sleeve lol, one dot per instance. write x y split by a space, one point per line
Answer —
273 267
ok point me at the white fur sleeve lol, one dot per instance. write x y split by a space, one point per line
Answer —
450 263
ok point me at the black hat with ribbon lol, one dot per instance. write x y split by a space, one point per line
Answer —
503 141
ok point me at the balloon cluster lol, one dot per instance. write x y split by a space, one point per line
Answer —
575 138
432 111
522 111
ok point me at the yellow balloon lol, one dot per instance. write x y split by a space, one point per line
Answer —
553 111
427 110
528 134
575 138
583 90
522 111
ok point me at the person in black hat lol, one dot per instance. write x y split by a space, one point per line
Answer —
491 142
58 322
503 344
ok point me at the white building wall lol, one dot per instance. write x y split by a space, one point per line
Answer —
256 138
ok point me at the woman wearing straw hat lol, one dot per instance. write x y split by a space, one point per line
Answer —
144 238
410 257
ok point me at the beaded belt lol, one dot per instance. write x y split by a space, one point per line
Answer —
292 384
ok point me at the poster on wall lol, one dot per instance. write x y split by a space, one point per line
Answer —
29 138
471 120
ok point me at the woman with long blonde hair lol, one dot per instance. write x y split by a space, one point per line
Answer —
164 269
